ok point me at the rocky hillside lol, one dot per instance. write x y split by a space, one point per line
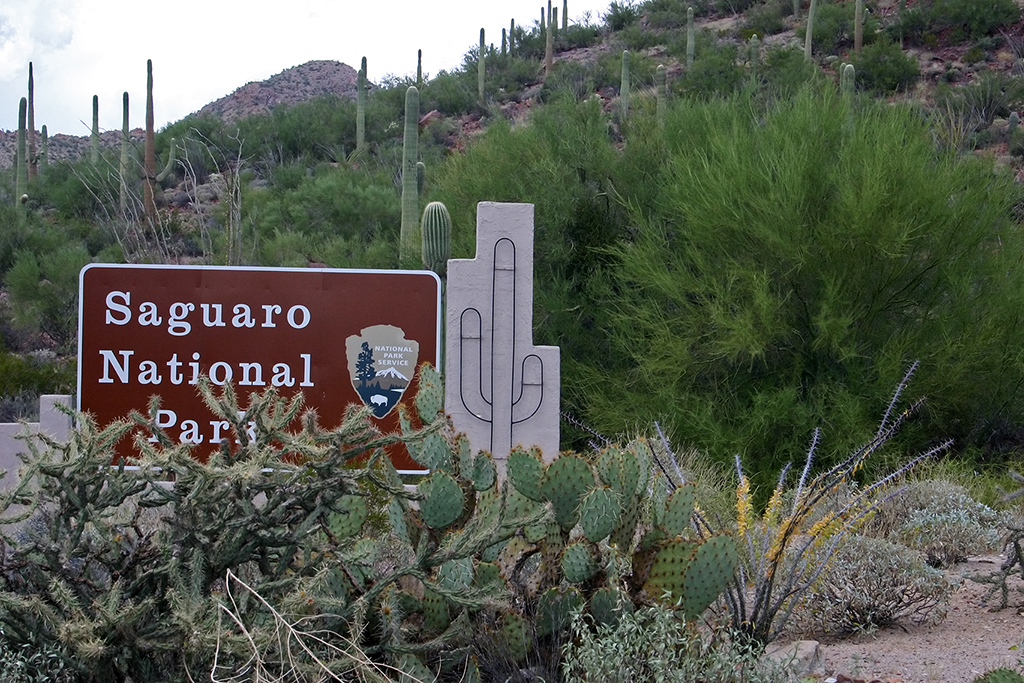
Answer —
291 86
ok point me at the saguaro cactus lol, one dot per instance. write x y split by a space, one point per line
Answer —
691 39
149 160
549 43
810 29
565 14
409 236
172 157
481 68
419 68
122 168
858 26
361 108
437 238
21 172
504 43
31 124
44 151
94 136
512 36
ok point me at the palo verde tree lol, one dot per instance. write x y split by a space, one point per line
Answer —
794 266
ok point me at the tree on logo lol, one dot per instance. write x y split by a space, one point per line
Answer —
364 365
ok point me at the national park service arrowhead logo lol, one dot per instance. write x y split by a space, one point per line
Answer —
381 363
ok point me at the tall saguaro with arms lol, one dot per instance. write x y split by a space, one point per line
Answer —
502 390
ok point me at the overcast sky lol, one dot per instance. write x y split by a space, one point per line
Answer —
205 49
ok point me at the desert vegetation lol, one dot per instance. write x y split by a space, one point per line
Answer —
740 255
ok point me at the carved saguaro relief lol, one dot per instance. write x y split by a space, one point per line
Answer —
502 391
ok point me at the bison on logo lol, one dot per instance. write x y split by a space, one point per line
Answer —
381 363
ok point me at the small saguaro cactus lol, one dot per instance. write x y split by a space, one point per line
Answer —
31 124
512 37
624 87
409 236
848 79
21 178
796 9
504 43
44 151
437 238
94 136
691 39
565 14
419 68
755 54
1012 122
481 68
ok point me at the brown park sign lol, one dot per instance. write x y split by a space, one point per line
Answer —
338 336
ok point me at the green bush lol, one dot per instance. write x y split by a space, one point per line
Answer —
715 73
765 20
621 14
833 27
989 95
883 68
941 520
24 378
44 292
975 18
790 268
653 644
872 583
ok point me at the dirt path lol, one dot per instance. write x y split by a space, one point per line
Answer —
971 639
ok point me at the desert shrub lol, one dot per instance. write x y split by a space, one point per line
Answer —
870 583
939 519
669 14
451 93
653 644
576 36
882 67
621 14
975 18
636 38
24 378
27 664
734 6
44 292
784 71
715 73
990 95
833 27
764 20
734 299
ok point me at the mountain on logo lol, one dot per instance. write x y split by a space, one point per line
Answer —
392 372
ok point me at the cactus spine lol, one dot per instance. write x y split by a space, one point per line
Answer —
624 87
94 136
361 107
410 238
810 29
858 26
21 177
481 69
31 124
691 38
149 160
549 43
122 168
44 151
661 80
